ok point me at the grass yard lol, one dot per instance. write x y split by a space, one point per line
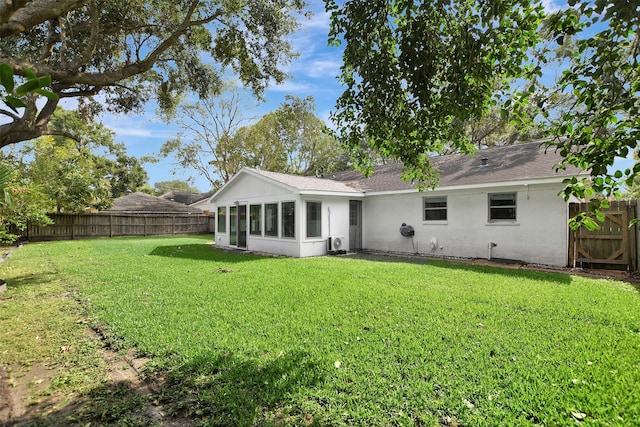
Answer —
244 340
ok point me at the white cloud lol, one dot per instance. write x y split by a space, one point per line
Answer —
319 21
322 68
139 132
551 6
290 87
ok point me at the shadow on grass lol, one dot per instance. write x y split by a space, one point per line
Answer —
202 251
30 280
548 276
216 390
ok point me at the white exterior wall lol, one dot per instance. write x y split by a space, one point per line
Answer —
249 190
539 234
205 205
335 222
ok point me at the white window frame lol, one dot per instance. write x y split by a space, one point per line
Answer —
224 222
276 220
492 209
319 219
426 209
282 215
260 219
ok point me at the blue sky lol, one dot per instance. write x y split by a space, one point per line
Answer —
313 73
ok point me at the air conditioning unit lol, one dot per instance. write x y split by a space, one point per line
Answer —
335 243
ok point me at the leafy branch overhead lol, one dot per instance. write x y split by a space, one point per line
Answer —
15 97
131 52
416 72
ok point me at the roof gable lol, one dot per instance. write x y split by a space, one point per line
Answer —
294 184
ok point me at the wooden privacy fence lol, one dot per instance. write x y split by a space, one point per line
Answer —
613 245
81 226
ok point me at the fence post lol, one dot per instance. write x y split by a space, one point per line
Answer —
73 227
145 226
173 225
110 226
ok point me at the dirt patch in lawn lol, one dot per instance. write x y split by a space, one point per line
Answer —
124 395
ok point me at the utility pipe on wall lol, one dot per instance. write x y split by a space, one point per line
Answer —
491 246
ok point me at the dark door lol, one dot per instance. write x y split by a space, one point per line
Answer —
242 226
355 225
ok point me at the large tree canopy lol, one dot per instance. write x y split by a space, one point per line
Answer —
71 175
291 139
417 72
603 79
132 50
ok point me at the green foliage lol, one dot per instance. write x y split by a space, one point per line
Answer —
293 140
72 175
206 143
416 72
359 341
163 187
22 203
133 51
604 79
14 97
6 175
308 145
67 175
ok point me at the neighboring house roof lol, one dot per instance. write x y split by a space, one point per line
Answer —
186 198
145 203
518 162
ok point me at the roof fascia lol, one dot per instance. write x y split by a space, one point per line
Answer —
534 181
355 194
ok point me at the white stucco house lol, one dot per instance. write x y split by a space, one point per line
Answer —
502 203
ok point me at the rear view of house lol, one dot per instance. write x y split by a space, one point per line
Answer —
502 203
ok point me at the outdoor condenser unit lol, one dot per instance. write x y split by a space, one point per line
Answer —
335 243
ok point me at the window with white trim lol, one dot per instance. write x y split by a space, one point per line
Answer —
435 208
289 219
222 219
255 220
271 219
314 219
502 207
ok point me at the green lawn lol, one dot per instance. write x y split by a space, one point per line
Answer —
331 341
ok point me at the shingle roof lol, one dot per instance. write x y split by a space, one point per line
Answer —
145 203
523 161
518 162
186 198
309 183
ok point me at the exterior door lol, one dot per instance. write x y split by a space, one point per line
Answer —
355 225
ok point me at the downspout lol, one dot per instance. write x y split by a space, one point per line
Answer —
491 245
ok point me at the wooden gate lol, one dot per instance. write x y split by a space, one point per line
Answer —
612 246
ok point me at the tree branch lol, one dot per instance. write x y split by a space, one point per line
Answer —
63 77
21 15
